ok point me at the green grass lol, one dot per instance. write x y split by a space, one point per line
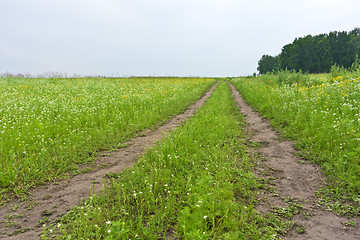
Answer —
195 184
322 114
49 126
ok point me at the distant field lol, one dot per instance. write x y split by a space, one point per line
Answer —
48 126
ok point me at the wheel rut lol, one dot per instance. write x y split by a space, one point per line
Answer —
293 179
24 220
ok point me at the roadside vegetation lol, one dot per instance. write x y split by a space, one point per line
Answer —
49 126
322 114
195 184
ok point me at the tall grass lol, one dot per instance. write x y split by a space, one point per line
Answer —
48 126
196 184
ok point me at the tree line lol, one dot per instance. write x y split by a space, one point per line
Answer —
315 54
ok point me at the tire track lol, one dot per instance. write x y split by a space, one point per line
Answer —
294 180
55 200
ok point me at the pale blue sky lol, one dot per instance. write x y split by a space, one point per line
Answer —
159 37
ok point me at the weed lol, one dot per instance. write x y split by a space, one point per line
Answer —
301 229
351 223
11 216
272 191
21 230
103 165
9 223
43 221
14 207
289 211
112 175
308 215
31 205
289 200
47 212
255 145
333 199
8 217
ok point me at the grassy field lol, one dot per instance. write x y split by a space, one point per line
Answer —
196 184
322 114
49 126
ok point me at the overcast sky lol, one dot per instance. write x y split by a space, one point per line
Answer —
159 37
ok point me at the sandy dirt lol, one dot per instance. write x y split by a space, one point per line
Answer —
55 200
293 179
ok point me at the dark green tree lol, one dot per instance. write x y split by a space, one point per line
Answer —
268 63
316 54
322 58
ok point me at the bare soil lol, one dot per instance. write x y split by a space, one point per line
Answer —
24 220
294 179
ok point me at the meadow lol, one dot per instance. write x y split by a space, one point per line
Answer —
49 126
195 184
322 114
